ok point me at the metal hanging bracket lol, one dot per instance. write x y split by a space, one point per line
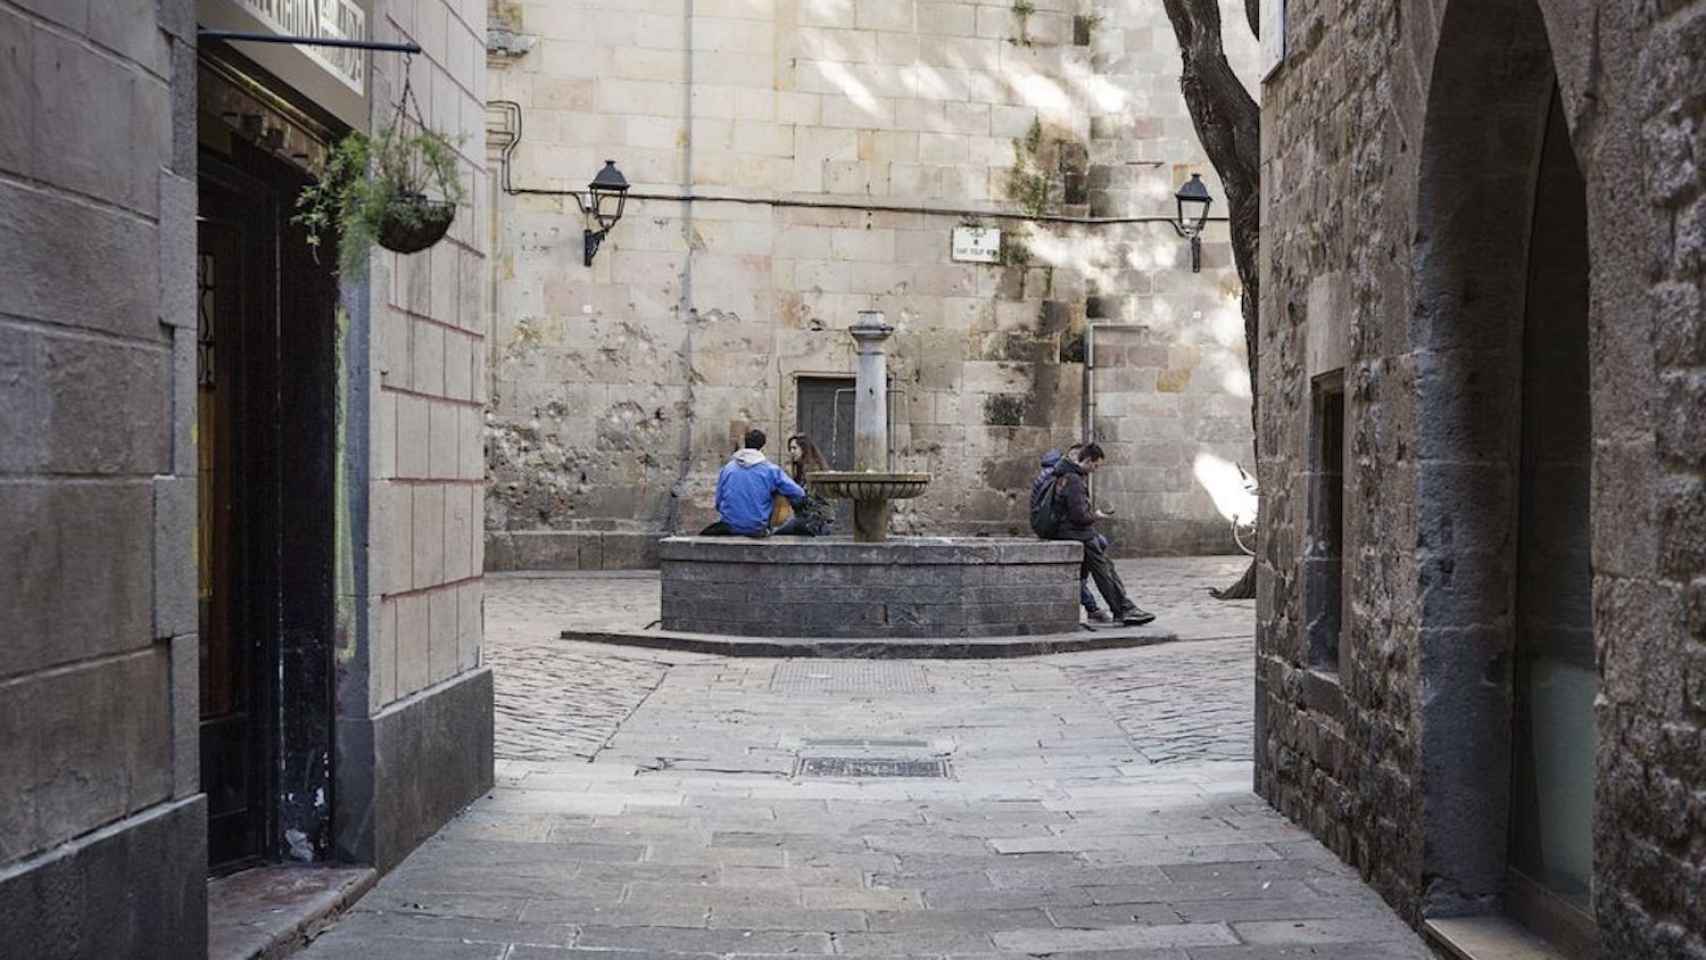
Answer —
238 36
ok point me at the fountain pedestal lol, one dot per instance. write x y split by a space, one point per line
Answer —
869 484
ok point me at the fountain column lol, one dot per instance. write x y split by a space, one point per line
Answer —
870 420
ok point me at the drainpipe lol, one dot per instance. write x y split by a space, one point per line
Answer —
684 306
1090 380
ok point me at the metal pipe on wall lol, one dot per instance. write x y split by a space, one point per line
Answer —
1090 378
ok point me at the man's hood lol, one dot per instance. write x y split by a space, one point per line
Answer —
1068 465
748 457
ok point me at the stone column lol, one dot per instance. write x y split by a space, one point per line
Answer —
870 421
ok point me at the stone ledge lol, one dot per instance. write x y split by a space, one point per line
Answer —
272 911
1488 938
901 551
571 550
868 648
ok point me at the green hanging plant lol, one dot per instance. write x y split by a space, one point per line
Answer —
398 189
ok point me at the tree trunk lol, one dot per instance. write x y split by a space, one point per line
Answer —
1244 588
1228 122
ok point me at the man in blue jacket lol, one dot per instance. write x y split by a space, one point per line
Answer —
746 490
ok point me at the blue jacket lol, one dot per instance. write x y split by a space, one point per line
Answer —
746 488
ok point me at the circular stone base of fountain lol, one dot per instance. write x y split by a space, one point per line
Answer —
904 587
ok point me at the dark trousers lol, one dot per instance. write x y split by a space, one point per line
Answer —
1099 567
721 529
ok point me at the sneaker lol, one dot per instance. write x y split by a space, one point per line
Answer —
1099 615
1136 617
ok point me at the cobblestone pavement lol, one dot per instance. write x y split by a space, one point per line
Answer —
1177 703
559 701
698 831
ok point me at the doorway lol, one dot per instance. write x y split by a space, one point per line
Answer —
265 422
1500 337
825 414
1553 743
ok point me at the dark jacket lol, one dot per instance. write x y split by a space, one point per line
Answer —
1077 519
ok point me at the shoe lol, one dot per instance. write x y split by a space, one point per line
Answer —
1099 616
1136 617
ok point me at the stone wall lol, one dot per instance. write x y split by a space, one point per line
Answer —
617 391
1399 158
414 360
102 828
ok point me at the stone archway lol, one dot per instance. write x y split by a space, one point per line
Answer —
1496 257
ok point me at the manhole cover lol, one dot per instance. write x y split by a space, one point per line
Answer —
871 767
859 676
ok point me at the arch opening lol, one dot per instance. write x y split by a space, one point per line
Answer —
1499 348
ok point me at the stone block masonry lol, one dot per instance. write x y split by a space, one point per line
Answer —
102 831
927 587
615 390
1399 753
418 467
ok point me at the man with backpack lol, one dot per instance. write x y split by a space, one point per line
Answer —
1045 476
1061 510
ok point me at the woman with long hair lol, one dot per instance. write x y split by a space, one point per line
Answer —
813 516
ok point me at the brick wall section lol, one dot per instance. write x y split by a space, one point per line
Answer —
98 670
1344 243
428 347
617 390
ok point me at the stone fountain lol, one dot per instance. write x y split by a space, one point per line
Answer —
871 585
870 484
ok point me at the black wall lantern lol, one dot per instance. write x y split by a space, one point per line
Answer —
606 196
1194 202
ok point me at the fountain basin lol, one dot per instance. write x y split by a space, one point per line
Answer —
859 485
910 587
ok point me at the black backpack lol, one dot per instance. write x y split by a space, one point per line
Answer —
1045 512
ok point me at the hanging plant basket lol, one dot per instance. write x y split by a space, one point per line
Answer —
412 222
398 189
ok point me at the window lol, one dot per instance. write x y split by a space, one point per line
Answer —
1324 548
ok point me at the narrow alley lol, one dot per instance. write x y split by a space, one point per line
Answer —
654 804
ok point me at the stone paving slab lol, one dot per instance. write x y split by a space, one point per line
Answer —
1082 820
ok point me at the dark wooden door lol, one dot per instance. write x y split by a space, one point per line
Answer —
266 418
232 268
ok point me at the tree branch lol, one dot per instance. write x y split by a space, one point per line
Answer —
1228 122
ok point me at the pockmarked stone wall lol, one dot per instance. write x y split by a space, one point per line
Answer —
103 826
414 354
842 142
1400 154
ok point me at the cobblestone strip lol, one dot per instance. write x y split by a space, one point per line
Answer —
555 704
557 700
1185 702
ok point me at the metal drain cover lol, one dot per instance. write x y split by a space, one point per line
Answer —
854 676
870 767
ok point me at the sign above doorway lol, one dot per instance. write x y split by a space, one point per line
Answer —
321 19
